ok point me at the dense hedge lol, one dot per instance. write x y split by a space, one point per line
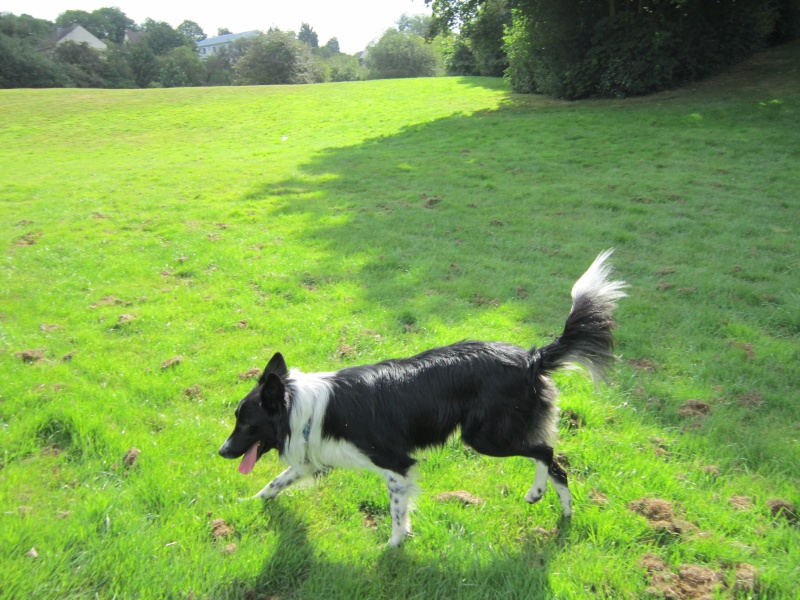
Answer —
578 48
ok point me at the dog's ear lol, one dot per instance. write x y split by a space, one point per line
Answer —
273 393
276 366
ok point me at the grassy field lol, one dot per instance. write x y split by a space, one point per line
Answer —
160 244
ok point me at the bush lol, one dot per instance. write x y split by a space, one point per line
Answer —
23 66
576 48
398 55
344 67
277 58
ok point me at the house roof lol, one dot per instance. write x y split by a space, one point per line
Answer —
61 34
225 39
133 36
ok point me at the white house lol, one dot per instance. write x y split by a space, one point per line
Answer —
76 33
210 46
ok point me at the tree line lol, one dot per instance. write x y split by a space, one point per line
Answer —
158 55
563 48
613 48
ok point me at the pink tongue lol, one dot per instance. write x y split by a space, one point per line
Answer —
249 460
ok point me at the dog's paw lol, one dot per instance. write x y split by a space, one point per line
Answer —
265 496
534 495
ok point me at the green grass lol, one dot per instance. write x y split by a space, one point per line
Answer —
347 223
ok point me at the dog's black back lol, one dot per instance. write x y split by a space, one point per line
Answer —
392 408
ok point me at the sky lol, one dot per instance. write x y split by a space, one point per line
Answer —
355 23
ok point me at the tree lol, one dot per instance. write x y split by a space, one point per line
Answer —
333 45
21 62
81 64
105 23
223 31
22 65
25 27
344 67
182 67
308 35
277 58
143 63
161 37
578 48
112 24
420 25
192 31
398 54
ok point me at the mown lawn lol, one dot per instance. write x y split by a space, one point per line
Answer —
160 244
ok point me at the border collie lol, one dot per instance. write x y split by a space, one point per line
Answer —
375 416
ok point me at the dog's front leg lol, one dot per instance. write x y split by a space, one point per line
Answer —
400 491
280 483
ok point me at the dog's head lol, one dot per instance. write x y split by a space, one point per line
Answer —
261 417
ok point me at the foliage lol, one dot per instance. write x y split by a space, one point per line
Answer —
143 63
23 66
25 27
181 68
459 59
81 64
479 47
344 67
397 55
277 58
162 38
332 45
308 35
192 30
578 48
108 23
419 24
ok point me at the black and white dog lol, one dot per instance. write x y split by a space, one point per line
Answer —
376 416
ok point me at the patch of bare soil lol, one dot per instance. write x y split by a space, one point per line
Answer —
220 529
740 502
660 515
109 301
642 364
29 239
694 408
172 362
131 456
747 347
750 399
250 374
783 508
462 496
30 356
598 498
692 582
194 392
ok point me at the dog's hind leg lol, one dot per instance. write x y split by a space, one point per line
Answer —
536 490
558 477
280 483
401 490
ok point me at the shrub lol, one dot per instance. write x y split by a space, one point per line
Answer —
399 54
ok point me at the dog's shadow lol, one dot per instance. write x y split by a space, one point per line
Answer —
294 569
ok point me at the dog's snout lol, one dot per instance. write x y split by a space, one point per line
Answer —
225 451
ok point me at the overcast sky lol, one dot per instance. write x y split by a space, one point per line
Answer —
354 23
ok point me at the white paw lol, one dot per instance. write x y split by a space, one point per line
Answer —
534 495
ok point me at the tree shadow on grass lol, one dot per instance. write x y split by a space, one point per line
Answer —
447 222
296 570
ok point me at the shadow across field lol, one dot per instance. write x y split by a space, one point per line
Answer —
296 570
